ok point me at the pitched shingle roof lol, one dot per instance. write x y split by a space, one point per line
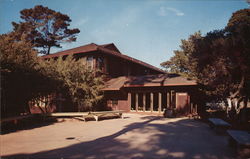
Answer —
159 80
148 81
80 49
109 49
115 83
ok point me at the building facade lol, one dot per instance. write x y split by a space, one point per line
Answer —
133 85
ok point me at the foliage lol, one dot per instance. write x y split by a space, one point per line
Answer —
180 63
44 28
223 60
220 61
22 78
80 83
26 77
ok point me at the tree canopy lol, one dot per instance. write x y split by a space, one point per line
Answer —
220 60
77 81
180 63
22 77
26 77
44 28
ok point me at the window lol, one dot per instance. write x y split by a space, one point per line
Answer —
146 71
100 63
90 62
114 102
109 103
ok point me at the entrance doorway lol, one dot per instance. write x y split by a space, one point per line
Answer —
182 103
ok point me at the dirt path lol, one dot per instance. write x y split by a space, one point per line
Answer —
136 136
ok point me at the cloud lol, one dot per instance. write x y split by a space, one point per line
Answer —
176 11
164 11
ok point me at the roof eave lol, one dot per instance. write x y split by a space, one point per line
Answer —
110 52
159 85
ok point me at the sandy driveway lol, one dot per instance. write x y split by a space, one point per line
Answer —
136 136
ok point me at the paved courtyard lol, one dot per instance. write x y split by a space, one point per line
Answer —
135 136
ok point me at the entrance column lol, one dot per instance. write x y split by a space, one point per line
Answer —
144 102
171 99
151 101
136 102
159 102
196 108
129 100
168 100
191 108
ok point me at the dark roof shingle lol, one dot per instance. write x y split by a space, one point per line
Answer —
110 49
148 81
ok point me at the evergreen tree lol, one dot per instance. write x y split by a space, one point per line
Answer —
44 28
220 61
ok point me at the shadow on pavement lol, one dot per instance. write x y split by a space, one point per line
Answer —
181 139
26 124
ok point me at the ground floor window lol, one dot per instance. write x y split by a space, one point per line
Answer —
112 102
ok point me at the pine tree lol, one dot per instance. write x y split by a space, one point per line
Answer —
44 28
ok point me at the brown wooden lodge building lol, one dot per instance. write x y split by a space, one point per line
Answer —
133 85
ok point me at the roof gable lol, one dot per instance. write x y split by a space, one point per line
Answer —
109 49
111 46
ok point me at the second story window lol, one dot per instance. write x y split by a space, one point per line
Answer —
90 62
100 63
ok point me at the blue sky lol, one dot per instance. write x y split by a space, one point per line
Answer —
148 30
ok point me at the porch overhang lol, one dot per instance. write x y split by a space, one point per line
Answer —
159 80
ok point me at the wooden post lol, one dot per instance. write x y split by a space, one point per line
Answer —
159 103
192 108
171 99
196 109
136 102
168 100
129 100
151 101
144 102
189 101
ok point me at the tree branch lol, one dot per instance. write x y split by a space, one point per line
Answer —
241 85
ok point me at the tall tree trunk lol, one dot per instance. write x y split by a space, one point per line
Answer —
235 98
229 107
37 103
239 89
46 103
48 51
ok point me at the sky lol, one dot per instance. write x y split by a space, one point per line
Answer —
149 30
